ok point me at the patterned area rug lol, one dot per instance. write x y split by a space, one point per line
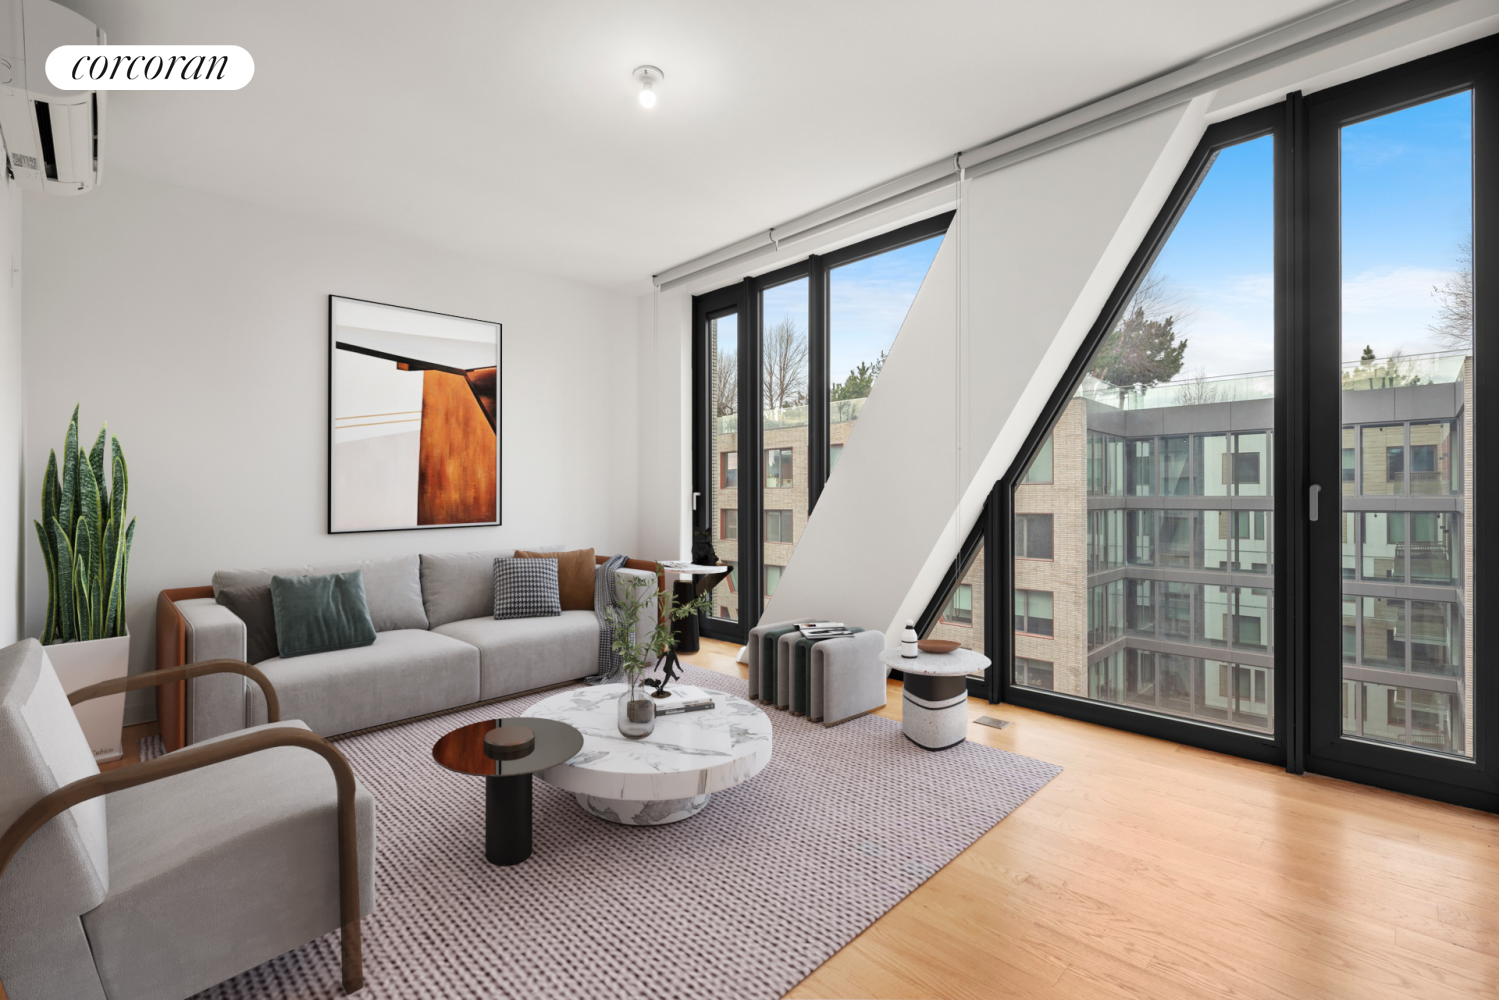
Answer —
740 902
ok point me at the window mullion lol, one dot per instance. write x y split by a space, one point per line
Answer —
818 381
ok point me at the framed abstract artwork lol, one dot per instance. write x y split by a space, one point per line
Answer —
413 418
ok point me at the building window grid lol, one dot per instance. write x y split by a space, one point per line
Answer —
1453 452
1357 690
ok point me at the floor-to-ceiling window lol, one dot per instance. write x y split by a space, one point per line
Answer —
723 457
868 299
821 330
1251 518
1402 175
1141 532
1407 220
784 423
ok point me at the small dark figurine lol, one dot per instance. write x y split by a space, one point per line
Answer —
702 548
671 669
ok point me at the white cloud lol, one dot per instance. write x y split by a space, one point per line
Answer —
1390 309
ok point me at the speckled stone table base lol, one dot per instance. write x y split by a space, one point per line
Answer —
935 713
658 812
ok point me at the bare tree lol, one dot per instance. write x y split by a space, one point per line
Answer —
1453 329
1196 390
725 383
785 370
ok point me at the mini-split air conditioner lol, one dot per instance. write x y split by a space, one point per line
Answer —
51 136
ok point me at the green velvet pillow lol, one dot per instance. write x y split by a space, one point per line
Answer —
315 614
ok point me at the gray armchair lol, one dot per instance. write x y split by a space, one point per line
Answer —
155 881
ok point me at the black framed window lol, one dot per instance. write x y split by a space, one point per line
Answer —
1401 174
820 331
1284 568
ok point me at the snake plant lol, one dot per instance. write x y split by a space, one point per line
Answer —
85 541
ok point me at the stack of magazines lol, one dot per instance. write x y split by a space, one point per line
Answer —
824 630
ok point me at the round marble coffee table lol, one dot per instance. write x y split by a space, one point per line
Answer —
666 776
934 712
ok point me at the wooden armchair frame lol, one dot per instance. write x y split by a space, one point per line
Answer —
204 755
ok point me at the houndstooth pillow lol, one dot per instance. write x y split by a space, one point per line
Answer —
526 588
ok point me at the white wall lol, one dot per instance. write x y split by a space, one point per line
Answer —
666 424
197 327
14 529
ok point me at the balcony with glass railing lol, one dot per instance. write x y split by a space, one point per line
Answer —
840 411
1381 373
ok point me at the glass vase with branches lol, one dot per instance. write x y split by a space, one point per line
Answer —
640 650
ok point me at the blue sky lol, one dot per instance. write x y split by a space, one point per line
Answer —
1407 204
868 300
867 303
1218 265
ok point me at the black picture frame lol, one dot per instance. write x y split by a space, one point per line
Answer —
498 414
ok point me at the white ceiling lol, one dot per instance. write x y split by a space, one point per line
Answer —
511 130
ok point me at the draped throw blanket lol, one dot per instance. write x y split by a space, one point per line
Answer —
606 606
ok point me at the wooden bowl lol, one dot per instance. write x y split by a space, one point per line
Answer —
937 645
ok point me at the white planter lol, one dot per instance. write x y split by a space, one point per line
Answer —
79 664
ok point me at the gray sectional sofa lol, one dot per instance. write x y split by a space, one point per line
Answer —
437 646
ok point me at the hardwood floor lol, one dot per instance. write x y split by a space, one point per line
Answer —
1152 870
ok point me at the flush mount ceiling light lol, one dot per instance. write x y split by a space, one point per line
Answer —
648 76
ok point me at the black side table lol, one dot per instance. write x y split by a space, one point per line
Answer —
705 578
507 791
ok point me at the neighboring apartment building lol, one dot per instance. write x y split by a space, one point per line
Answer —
1158 591
784 455
1143 547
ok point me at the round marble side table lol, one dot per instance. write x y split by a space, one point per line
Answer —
934 715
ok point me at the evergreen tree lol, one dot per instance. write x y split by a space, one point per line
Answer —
860 381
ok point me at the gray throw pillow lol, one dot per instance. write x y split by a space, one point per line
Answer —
526 588
316 614
253 606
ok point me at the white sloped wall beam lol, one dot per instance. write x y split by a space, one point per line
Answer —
1031 257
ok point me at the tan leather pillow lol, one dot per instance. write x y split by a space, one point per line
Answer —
575 572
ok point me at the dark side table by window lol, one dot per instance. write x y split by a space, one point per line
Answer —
507 792
701 580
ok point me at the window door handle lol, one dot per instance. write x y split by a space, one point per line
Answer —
1311 502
